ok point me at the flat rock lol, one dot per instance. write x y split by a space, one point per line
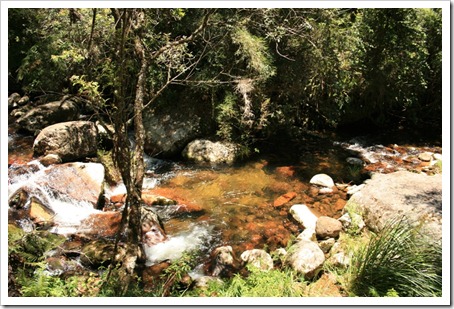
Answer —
285 198
418 197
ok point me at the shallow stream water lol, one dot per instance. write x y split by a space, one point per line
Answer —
236 205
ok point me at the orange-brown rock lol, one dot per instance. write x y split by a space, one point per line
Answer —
118 198
184 205
313 191
40 213
287 171
281 200
104 224
339 205
154 199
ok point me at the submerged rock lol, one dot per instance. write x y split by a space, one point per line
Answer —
281 200
102 224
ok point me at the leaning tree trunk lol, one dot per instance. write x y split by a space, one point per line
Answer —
127 158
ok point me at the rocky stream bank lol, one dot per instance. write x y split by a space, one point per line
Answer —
232 214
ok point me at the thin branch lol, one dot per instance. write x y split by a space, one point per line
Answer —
183 40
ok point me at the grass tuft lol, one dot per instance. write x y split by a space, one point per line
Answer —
398 260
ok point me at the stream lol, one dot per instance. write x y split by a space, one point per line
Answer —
236 205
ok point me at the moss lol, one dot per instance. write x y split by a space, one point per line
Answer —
112 173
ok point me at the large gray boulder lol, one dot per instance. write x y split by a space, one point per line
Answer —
205 151
70 140
168 131
305 257
47 114
418 197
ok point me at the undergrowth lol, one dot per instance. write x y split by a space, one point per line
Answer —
398 260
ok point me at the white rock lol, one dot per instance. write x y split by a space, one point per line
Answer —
280 252
307 234
340 259
322 180
204 281
258 258
303 215
346 220
437 156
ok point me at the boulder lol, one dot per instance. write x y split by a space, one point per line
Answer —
12 100
327 227
418 197
305 257
77 181
47 114
258 258
355 161
205 151
69 140
302 214
168 130
24 100
223 260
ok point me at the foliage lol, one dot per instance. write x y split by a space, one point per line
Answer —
253 50
31 247
259 283
398 258
312 68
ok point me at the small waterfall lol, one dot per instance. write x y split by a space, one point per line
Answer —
198 237
35 181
